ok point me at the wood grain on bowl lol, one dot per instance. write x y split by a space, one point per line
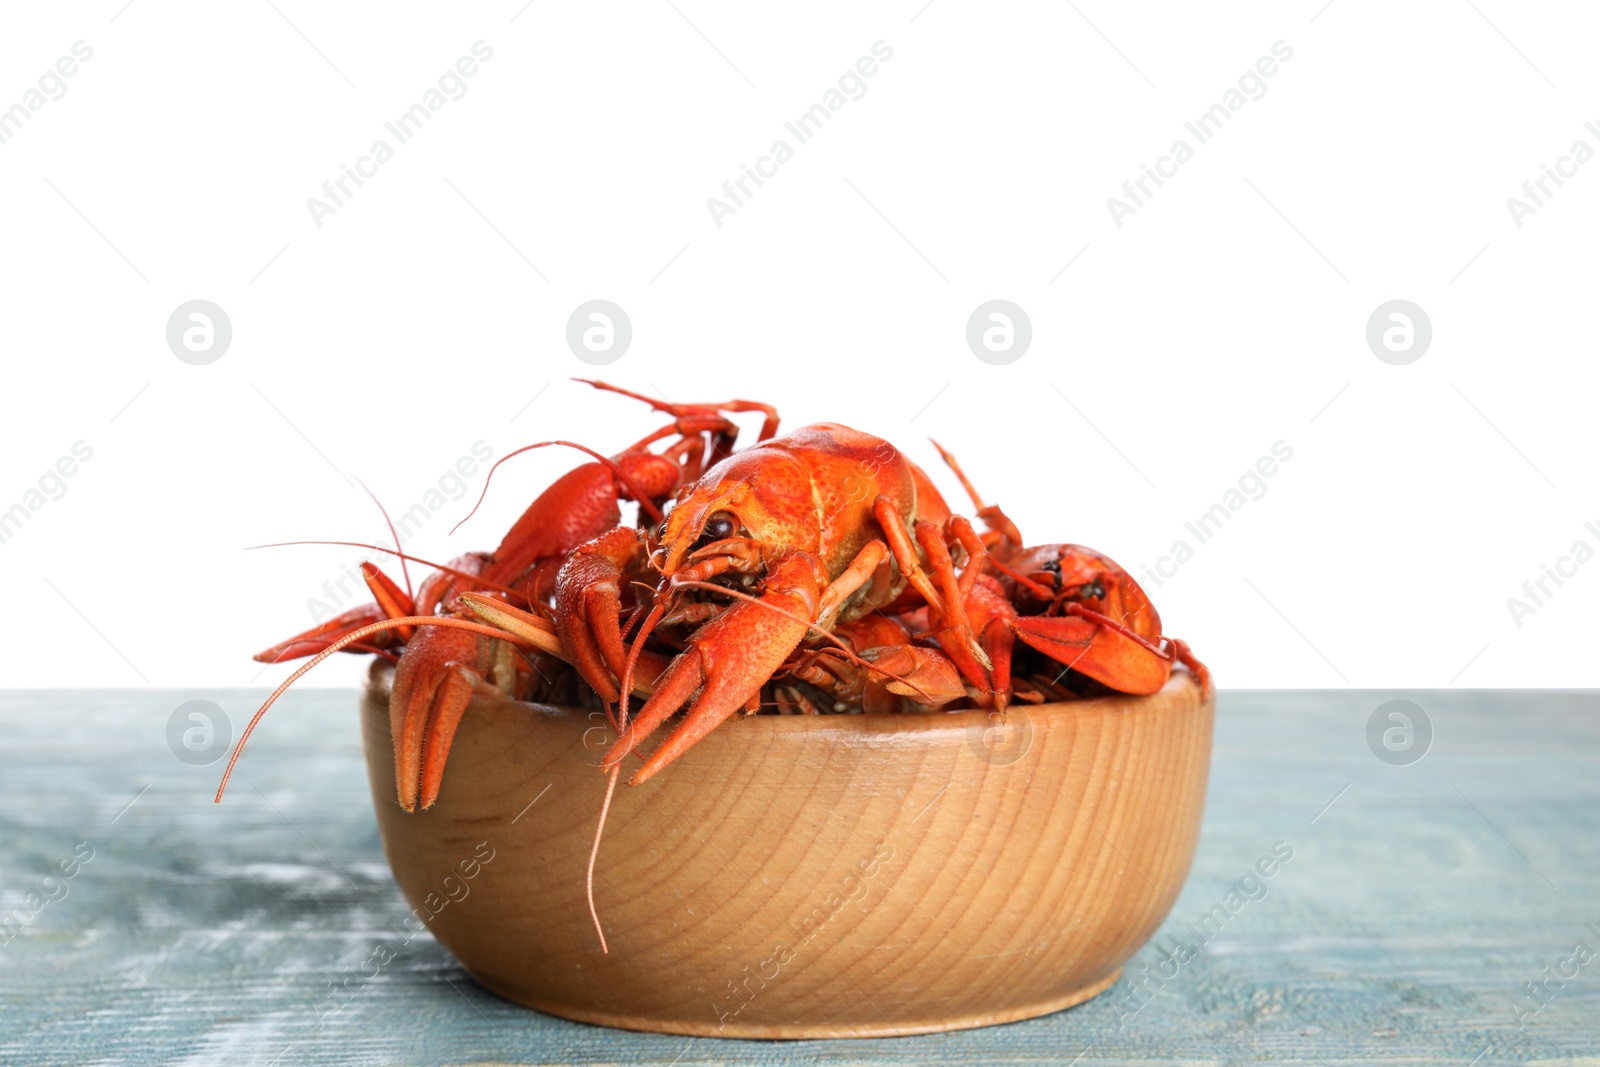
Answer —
806 876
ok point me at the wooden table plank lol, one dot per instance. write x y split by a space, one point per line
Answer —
1413 913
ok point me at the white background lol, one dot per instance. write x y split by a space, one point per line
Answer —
429 312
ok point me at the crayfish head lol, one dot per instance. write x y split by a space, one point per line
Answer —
695 523
1083 576
761 498
723 554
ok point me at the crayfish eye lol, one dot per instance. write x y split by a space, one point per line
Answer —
721 526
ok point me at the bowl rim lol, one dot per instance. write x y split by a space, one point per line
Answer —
381 673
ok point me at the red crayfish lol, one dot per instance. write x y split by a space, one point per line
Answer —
819 571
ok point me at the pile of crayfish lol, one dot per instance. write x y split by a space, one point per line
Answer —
816 572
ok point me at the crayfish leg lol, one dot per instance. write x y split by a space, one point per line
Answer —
1186 656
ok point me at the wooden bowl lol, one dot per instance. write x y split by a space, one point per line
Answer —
806 876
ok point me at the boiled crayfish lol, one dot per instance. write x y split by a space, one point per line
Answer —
820 571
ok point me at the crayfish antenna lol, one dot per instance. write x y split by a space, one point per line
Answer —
643 499
620 722
405 571
594 851
339 645
440 567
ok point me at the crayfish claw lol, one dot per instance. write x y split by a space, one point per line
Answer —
728 660
434 682
589 607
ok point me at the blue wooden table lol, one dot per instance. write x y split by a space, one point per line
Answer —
1442 910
